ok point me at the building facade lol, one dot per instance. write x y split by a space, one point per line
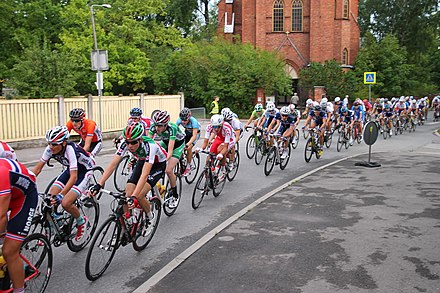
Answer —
303 31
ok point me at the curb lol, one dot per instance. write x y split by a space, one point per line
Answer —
168 268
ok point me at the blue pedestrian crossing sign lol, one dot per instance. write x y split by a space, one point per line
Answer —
369 77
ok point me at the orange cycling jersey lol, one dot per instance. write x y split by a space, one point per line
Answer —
88 128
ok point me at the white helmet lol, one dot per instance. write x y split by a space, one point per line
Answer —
270 107
285 110
6 151
224 110
216 120
309 102
227 115
413 101
324 100
315 103
402 99
337 99
292 107
323 104
57 135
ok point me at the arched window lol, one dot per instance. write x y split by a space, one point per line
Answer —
297 16
278 16
345 56
346 8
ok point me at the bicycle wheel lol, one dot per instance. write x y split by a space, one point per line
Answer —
328 141
295 140
250 147
200 190
195 166
305 133
37 256
308 150
260 152
413 126
270 161
218 185
122 173
347 140
170 204
98 171
46 191
283 162
88 208
230 174
41 225
103 248
359 137
340 142
146 228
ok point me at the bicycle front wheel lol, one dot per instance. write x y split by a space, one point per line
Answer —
308 151
37 256
295 140
270 161
283 162
200 190
122 173
250 147
195 166
218 185
260 152
340 142
88 208
170 204
146 228
328 141
103 248
233 172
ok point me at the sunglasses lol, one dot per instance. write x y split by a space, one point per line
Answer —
53 144
132 142
216 127
284 116
75 120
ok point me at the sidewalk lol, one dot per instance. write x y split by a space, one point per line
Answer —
341 229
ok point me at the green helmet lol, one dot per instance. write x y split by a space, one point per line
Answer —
133 131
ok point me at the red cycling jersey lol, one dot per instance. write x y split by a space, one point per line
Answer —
88 128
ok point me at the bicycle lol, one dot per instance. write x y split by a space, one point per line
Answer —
207 181
195 166
386 129
328 137
312 145
261 150
398 128
412 123
123 170
306 132
170 203
252 142
232 167
36 254
294 140
344 137
275 155
59 226
116 231
356 131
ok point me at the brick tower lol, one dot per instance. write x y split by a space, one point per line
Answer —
302 31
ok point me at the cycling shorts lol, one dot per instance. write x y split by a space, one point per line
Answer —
81 183
156 173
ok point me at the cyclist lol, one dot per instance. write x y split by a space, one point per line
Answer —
423 107
237 126
286 123
149 168
73 181
413 110
256 114
358 114
18 199
346 118
387 113
309 107
221 134
317 118
368 108
377 107
6 151
173 140
296 114
269 114
192 135
91 135
329 109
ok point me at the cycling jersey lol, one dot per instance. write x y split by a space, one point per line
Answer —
421 104
257 115
172 132
20 184
192 123
387 113
149 151
225 135
88 128
318 118
269 116
6 151
348 117
74 157
285 123
236 124
329 108
358 113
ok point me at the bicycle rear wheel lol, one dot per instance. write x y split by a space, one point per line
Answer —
233 172
103 248
37 260
195 166
283 162
250 147
308 150
295 140
90 209
122 173
270 161
170 204
146 228
328 141
218 185
340 142
200 190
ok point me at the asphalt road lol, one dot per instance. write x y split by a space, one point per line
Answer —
130 269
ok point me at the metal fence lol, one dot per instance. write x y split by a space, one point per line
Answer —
30 119
198 113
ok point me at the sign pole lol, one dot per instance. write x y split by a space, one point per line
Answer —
369 93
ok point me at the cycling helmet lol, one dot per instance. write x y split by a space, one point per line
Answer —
413 101
292 107
57 135
337 99
133 131
324 100
270 107
77 113
258 107
227 115
317 108
365 101
387 106
136 112
344 109
216 120
185 114
285 110
356 103
402 99
6 151
224 110
161 117
323 104
309 102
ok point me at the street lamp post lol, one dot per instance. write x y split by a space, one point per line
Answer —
99 77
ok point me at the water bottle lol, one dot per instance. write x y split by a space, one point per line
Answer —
128 218
2 267
136 212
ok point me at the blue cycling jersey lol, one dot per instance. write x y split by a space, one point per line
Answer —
193 123
358 113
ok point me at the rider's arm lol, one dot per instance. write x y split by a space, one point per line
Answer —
204 144
272 124
170 149
87 143
193 137
251 118
90 128
37 169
